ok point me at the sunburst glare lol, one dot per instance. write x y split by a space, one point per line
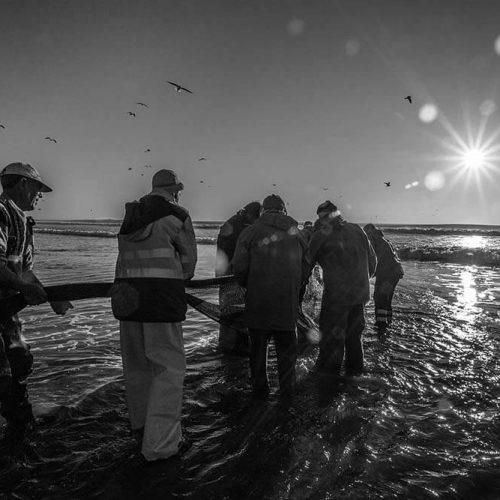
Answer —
473 156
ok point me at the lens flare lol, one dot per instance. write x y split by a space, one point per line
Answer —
428 113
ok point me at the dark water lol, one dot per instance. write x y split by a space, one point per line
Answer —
423 422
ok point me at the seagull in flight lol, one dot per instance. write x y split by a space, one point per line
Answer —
201 182
325 189
142 104
2 126
130 168
179 88
130 113
408 98
50 139
202 159
148 166
388 184
147 150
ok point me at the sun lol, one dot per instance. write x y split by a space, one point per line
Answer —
474 158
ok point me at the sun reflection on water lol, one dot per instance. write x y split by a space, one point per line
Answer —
474 241
467 294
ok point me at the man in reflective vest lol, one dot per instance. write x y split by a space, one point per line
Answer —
157 253
22 187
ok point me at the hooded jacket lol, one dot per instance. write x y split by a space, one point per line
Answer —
156 253
348 260
388 263
270 262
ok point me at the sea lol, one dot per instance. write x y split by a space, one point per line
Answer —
422 422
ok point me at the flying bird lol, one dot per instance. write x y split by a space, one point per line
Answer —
388 184
50 139
201 182
148 166
147 151
130 168
179 88
202 159
274 185
325 189
142 104
130 113
408 98
2 126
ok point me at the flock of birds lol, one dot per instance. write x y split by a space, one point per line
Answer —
179 88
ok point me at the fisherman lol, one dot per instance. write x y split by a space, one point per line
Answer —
22 187
307 230
324 212
270 262
231 294
389 272
156 254
347 259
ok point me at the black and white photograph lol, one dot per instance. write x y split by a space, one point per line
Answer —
249 249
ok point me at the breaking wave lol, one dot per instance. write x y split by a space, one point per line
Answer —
105 234
456 255
444 231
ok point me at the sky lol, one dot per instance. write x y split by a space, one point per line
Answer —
303 98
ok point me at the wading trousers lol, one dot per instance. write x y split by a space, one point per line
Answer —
341 330
154 367
16 363
382 296
285 343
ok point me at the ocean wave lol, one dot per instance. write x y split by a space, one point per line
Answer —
442 231
104 234
455 255
76 232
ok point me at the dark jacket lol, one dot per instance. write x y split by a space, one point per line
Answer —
270 262
226 241
388 263
347 258
157 252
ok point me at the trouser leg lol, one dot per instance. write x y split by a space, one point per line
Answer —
331 346
286 352
136 371
259 340
353 344
390 297
17 359
164 348
381 297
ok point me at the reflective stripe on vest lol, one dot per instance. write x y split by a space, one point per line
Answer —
153 257
153 253
149 272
